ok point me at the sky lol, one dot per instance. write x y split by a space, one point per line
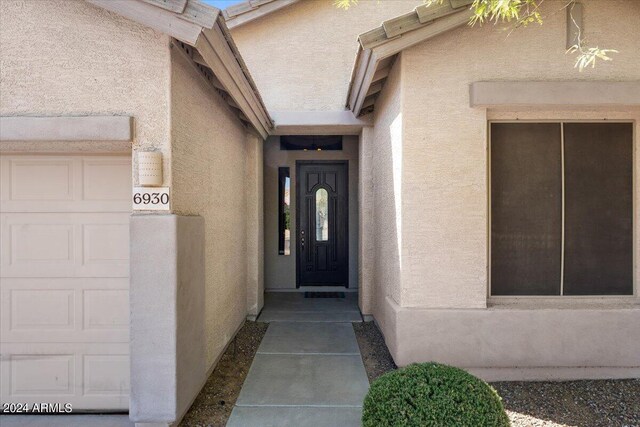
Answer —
221 4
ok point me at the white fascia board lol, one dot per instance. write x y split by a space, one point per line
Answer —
257 12
211 38
216 52
154 17
372 53
368 68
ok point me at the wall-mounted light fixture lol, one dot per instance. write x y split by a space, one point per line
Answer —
149 168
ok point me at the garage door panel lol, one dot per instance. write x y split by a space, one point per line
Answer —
41 178
106 179
38 245
88 377
65 245
69 310
41 243
104 374
105 309
64 288
41 374
105 244
65 184
57 206
42 309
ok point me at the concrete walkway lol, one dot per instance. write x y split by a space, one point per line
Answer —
308 370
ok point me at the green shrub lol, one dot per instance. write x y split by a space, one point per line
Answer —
431 394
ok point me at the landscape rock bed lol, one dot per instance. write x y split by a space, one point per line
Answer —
215 402
601 403
610 403
375 354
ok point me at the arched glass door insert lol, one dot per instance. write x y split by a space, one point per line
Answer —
322 215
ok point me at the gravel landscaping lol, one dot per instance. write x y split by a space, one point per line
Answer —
603 403
213 405
375 354
614 403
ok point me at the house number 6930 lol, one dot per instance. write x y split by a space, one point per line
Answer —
151 198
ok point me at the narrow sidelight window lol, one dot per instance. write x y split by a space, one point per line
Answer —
561 209
284 211
322 215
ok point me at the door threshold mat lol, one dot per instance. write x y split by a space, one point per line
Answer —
324 294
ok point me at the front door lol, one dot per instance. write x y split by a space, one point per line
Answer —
322 223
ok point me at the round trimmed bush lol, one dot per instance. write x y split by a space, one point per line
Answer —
432 394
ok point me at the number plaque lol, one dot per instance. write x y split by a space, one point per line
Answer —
151 199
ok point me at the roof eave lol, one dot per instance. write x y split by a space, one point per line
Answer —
379 46
202 27
224 59
249 11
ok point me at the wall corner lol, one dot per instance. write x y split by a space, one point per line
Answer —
168 355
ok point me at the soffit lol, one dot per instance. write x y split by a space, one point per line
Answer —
202 35
379 47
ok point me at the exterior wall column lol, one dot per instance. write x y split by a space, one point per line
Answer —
366 249
167 300
255 226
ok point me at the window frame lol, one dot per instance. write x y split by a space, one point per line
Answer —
284 173
564 298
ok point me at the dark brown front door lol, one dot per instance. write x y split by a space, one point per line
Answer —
322 223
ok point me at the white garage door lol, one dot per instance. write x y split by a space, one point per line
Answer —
65 280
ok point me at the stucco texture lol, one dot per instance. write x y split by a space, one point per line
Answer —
385 153
66 58
444 154
428 160
280 270
366 238
301 56
255 224
209 163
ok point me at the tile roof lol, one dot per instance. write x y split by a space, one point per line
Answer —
379 47
250 10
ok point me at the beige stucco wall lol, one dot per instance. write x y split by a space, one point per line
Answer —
301 56
444 166
441 310
280 270
255 224
366 238
535 341
209 162
386 152
66 58
426 188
